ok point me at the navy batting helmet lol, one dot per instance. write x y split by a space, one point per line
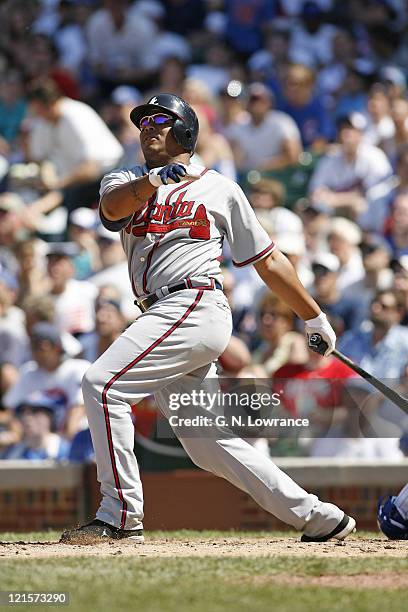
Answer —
185 127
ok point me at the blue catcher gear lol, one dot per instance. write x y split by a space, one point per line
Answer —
390 521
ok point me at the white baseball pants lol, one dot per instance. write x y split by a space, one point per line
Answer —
171 348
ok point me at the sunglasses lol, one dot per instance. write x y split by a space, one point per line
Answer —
159 119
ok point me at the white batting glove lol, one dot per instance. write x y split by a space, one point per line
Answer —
172 173
320 334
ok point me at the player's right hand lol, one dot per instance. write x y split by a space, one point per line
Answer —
172 173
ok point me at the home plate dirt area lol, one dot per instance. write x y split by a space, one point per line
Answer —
221 546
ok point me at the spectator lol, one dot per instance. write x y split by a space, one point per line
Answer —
394 82
316 223
232 111
213 148
352 95
109 324
39 60
82 232
270 63
10 428
344 236
184 15
37 415
32 277
312 38
41 309
68 36
400 286
330 79
116 113
376 254
114 270
215 71
82 450
380 345
74 138
281 344
54 375
266 194
167 43
312 388
293 245
11 331
346 311
245 21
399 115
12 210
380 129
72 315
172 73
397 233
119 39
308 111
345 177
269 139
362 433
12 110
12 316
235 357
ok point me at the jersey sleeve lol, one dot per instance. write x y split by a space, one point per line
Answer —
110 181
248 241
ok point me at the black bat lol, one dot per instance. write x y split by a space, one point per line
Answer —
397 399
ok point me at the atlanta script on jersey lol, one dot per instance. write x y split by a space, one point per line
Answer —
179 232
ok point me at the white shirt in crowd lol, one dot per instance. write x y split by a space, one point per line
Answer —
118 275
260 143
63 385
351 272
312 48
75 307
380 133
120 49
79 135
369 168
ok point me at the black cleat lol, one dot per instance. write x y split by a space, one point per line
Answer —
346 526
99 531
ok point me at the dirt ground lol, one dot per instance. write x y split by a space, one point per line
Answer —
220 547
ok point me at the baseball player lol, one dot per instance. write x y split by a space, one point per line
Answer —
173 217
392 515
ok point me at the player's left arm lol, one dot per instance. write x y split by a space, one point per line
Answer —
280 276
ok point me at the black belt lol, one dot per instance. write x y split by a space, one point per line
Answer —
151 299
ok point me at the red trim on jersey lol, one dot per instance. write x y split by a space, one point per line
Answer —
114 379
268 249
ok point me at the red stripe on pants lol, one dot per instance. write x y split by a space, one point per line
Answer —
114 379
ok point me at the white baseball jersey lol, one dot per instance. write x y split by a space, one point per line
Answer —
179 232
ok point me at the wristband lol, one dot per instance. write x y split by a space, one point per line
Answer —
154 178
317 321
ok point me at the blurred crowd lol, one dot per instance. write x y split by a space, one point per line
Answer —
304 103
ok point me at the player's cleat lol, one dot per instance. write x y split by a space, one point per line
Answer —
346 526
99 531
